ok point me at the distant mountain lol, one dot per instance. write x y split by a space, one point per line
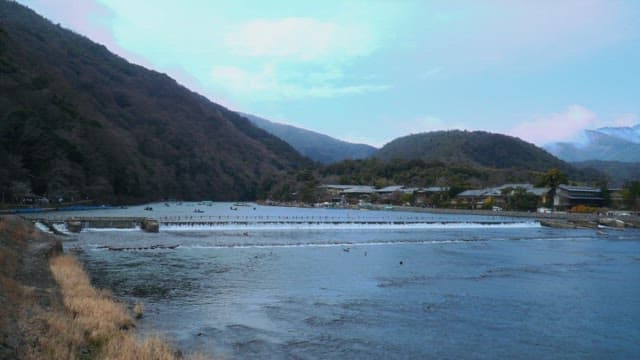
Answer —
606 144
77 121
477 148
617 173
629 133
316 146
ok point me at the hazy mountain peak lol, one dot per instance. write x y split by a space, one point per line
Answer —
316 146
628 133
607 144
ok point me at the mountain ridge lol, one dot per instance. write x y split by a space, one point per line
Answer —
479 148
79 121
314 145
620 144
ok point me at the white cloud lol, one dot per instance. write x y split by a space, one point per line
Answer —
562 126
268 83
300 39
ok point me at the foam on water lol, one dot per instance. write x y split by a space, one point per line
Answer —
346 226
62 228
42 227
90 229
345 245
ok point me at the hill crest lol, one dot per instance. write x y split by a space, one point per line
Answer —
478 148
316 146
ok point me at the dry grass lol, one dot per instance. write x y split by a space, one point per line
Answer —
73 320
93 318
93 310
126 347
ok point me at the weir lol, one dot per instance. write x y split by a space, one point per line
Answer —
77 224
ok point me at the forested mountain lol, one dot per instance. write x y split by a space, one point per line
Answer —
77 121
460 159
617 173
316 146
477 148
606 144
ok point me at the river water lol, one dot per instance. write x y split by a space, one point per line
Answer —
268 282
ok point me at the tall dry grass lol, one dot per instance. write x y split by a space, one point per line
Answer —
94 322
92 310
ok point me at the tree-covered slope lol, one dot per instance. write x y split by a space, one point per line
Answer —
77 121
477 148
316 146
617 173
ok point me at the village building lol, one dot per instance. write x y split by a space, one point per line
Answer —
568 196
497 196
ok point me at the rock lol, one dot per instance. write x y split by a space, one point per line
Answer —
611 222
559 224
150 225
74 226
582 224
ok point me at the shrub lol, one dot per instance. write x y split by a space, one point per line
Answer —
583 209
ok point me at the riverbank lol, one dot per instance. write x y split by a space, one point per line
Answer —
550 219
48 308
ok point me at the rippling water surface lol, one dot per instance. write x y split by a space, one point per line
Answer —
363 285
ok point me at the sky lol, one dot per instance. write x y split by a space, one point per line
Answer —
371 71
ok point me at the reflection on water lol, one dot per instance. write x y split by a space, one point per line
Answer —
365 292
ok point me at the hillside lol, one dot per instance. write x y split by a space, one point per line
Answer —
316 146
617 173
605 144
476 148
78 121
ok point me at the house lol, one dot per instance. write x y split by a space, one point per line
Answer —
430 195
390 193
334 190
501 196
568 196
472 198
358 192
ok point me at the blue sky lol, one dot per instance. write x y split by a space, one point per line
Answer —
370 71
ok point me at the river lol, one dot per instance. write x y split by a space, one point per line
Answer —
268 282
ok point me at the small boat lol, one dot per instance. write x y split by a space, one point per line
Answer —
198 211
148 208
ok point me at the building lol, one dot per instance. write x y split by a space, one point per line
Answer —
568 196
498 196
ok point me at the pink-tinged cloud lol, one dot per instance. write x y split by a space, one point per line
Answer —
626 120
86 17
562 126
